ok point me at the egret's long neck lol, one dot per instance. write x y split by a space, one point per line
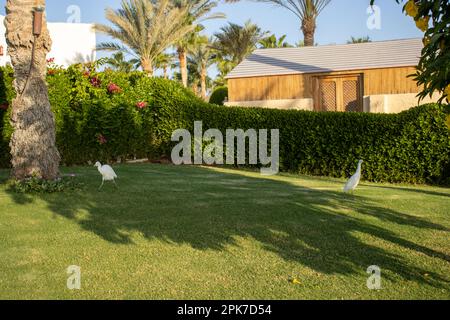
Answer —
359 168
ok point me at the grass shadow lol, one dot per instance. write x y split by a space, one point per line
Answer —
317 226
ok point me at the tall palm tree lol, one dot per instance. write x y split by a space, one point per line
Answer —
119 63
199 11
202 58
272 42
235 42
183 46
33 147
306 10
145 29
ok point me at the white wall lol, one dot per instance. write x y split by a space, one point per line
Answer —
286 104
72 42
394 103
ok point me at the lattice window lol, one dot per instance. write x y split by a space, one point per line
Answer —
328 96
350 96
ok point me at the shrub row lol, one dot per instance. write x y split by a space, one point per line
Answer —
110 116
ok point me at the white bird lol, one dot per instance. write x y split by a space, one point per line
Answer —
353 183
107 173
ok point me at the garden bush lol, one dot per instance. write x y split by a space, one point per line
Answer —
109 116
6 96
219 95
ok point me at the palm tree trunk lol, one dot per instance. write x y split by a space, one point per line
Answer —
147 66
309 29
166 74
194 88
33 146
203 81
182 56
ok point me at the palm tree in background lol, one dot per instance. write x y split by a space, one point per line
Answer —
201 59
272 42
234 43
306 10
145 29
200 10
354 40
183 47
118 62
164 61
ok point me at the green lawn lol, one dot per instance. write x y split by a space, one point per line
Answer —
201 233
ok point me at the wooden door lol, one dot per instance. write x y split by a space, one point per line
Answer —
339 93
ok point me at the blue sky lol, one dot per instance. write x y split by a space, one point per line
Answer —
339 21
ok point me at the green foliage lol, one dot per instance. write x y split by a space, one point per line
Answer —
219 95
433 71
110 116
6 95
413 146
36 185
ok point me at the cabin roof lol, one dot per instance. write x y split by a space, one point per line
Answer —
329 58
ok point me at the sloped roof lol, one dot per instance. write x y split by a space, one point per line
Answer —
282 61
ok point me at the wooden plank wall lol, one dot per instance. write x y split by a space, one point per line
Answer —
376 81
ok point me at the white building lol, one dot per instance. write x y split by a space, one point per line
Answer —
71 43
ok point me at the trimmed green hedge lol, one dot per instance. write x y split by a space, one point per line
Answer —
413 146
98 121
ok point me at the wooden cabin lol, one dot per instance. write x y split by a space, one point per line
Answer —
365 77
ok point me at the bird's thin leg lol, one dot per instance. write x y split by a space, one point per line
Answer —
101 186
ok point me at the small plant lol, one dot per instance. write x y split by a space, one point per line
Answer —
38 185
219 96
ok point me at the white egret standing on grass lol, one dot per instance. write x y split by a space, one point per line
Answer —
107 173
353 183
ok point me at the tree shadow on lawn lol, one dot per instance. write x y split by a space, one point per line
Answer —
322 229
413 190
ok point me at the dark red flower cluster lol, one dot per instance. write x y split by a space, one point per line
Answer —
101 139
86 74
51 72
95 81
114 88
141 105
4 106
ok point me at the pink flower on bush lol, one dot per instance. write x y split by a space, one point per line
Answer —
51 72
101 139
50 60
114 88
141 105
95 82
4 106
